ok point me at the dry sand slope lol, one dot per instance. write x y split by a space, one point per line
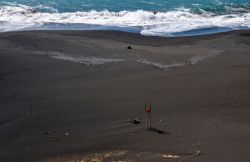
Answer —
69 96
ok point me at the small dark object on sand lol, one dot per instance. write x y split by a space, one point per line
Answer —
129 47
135 121
47 132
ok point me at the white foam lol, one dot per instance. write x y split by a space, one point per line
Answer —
88 60
161 65
161 23
83 60
190 61
44 7
197 59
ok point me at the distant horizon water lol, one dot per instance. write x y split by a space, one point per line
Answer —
147 17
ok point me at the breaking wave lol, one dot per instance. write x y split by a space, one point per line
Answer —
170 23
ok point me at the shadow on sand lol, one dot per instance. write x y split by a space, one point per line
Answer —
153 129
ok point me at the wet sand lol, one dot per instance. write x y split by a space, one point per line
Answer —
69 95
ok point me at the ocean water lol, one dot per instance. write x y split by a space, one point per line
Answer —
148 17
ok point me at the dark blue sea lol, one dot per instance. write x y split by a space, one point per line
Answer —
169 18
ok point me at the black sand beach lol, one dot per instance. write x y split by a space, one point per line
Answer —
69 96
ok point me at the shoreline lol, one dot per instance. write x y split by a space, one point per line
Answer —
54 108
223 33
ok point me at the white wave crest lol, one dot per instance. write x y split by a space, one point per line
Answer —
150 23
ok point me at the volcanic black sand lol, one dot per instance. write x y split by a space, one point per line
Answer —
69 96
